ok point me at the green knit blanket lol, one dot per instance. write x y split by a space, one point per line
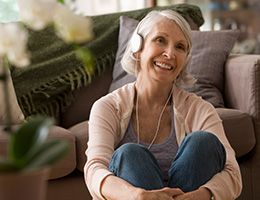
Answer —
45 87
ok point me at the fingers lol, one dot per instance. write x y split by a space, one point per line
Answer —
173 191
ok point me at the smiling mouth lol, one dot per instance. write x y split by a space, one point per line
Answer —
163 65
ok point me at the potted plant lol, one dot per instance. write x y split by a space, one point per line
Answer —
24 169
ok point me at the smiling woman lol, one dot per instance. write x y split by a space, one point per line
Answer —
162 40
150 139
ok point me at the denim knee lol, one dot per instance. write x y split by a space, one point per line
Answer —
130 154
206 143
137 165
200 156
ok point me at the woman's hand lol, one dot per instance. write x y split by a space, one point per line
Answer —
201 194
160 194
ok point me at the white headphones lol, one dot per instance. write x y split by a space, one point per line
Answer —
136 42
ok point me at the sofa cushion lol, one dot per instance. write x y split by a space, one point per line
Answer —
242 84
67 164
209 52
239 130
80 131
120 77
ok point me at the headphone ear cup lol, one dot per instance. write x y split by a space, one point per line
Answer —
136 42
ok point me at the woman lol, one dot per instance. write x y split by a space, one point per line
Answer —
152 140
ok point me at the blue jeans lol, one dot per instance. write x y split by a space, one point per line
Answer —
200 156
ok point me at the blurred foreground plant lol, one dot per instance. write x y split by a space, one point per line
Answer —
29 147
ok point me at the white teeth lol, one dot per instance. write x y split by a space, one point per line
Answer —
164 65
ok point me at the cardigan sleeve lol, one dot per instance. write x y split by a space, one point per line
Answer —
103 129
227 184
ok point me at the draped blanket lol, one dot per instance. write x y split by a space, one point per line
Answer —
45 87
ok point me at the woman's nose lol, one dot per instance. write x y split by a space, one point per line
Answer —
169 53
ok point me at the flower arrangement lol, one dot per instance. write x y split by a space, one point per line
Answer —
29 147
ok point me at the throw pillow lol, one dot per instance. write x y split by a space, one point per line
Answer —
120 77
208 55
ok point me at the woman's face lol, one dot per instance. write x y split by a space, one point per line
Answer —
164 52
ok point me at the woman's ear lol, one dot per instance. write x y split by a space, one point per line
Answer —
136 56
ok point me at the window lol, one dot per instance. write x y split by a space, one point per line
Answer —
8 11
96 7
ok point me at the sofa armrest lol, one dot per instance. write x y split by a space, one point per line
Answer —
242 83
59 169
242 92
80 131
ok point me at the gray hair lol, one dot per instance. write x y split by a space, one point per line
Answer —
143 28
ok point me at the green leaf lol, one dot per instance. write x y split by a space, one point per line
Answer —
87 59
48 153
27 138
6 166
61 1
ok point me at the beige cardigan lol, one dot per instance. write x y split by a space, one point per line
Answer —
108 122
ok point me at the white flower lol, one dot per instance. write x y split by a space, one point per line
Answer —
37 14
13 44
71 27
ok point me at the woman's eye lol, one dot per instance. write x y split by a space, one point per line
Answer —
160 40
181 47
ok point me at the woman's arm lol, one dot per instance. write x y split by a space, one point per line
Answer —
114 188
103 131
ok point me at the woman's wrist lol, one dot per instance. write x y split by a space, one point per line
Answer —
205 193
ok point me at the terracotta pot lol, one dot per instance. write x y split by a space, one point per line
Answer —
24 185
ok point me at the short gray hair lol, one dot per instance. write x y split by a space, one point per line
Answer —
143 28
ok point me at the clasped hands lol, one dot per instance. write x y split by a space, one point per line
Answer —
174 194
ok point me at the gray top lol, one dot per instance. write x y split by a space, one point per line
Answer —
164 152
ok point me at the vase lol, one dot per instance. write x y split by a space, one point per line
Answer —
29 185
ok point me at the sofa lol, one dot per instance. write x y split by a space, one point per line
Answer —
240 113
